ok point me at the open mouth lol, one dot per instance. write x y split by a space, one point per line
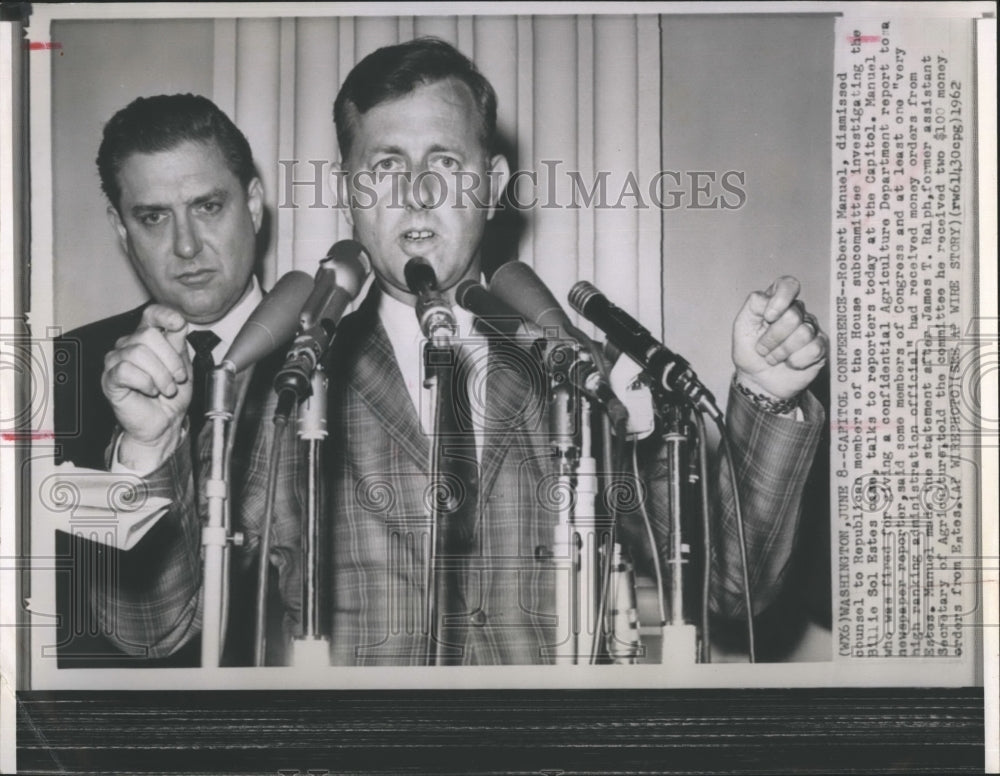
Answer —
418 235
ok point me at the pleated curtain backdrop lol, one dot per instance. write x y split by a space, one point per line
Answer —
578 107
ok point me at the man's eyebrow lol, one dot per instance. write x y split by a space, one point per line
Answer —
388 149
214 194
437 148
142 209
201 199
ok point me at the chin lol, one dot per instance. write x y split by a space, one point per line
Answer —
205 316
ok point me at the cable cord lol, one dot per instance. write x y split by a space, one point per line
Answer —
747 598
227 553
657 569
706 540
263 562
616 454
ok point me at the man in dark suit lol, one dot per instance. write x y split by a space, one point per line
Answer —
186 203
416 125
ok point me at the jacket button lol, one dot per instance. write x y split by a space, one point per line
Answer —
478 618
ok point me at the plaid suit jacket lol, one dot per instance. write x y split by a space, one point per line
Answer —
377 526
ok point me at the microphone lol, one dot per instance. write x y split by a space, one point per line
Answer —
437 321
341 274
662 364
271 324
471 295
517 285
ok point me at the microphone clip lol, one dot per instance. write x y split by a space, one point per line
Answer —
303 356
434 314
574 365
436 319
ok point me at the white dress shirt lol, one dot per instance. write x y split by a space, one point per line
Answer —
227 327
403 330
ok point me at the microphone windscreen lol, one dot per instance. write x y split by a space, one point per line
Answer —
516 285
419 275
498 317
273 323
341 275
351 263
472 296
580 295
467 293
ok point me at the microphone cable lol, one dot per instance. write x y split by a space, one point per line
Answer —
725 450
706 539
227 457
613 452
657 568
264 563
226 556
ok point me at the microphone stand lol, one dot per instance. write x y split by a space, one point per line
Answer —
438 362
312 648
563 413
581 536
590 537
437 323
622 640
215 538
303 380
680 637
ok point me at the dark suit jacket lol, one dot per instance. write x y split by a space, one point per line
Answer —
84 421
376 465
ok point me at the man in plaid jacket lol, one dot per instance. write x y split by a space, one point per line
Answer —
416 125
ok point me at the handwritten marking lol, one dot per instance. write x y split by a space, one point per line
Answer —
26 436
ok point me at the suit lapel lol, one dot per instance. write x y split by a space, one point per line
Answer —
376 379
516 390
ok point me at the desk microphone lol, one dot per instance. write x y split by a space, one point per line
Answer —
341 274
662 364
517 285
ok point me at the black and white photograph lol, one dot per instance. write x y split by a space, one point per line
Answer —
609 352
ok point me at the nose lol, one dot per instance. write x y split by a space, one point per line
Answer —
423 189
187 242
410 186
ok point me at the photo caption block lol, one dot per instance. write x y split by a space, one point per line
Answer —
902 458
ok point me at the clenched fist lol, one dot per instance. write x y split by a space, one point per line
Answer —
778 347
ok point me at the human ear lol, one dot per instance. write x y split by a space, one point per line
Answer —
115 219
499 175
255 203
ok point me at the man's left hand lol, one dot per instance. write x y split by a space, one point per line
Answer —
778 346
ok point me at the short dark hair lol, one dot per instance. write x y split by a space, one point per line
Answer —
395 71
160 123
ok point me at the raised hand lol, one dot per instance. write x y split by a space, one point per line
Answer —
147 380
778 347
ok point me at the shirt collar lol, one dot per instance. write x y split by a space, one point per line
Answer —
229 325
406 339
401 324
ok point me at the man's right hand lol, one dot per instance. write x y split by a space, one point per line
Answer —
147 378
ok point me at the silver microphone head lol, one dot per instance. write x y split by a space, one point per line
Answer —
436 318
580 294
